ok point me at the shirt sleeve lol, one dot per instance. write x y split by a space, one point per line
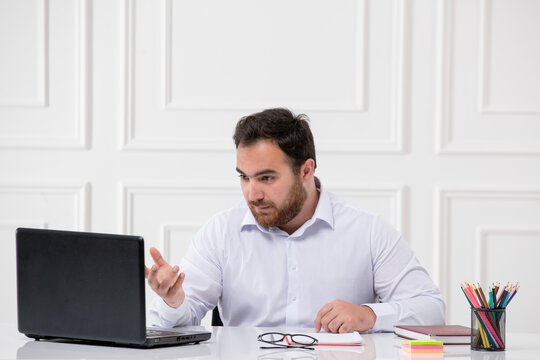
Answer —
162 315
202 284
407 295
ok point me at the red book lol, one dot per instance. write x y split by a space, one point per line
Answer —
448 334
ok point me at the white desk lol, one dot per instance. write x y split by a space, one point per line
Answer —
241 343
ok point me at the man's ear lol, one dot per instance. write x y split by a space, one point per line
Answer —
307 170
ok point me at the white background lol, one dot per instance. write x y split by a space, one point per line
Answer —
117 116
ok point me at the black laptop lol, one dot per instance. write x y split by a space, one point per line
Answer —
89 287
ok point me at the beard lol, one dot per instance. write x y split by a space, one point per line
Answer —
274 216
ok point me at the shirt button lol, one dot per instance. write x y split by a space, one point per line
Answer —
293 298
293 268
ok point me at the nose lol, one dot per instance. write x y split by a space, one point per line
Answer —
253 191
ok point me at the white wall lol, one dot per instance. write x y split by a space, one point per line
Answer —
117 116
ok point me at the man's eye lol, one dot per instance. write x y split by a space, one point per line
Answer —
243 177
267 178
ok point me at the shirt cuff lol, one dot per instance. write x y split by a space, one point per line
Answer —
386 316
174 316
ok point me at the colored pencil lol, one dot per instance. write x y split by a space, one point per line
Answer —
488 322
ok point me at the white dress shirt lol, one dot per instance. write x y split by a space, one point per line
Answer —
266 277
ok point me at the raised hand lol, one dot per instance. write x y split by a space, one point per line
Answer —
165 281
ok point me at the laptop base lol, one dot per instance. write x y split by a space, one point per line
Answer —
167 341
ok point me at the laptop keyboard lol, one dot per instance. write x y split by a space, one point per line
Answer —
150 333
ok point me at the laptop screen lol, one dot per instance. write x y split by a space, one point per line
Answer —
81 285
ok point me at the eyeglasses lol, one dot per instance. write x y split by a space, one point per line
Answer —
292 340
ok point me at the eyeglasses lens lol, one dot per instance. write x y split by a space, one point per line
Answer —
303 340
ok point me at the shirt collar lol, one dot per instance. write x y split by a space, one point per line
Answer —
324 209
323 212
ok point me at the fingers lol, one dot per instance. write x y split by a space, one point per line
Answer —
165 280
340 316
161 275
317 322
158 259
339 324
177 286
320 315
344 328
152 277
161 279
330 322
169 277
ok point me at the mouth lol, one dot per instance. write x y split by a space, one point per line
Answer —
261 208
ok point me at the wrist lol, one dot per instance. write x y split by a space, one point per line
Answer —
173 304
368 318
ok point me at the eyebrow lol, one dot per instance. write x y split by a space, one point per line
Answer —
259 173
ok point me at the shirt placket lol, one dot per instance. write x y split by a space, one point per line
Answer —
293 288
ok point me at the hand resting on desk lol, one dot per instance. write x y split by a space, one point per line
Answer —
165 280
340 316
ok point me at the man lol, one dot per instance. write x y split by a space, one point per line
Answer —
292 254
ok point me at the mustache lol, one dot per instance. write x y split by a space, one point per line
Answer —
261 203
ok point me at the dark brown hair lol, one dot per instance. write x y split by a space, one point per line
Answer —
290 132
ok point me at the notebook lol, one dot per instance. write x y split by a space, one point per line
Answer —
87 286
448 334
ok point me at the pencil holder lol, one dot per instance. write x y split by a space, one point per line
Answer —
488 329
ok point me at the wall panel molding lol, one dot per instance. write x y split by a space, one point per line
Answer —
80 194
132 138
394 194
443 226
166 235
42 98
129 191
358 106
47 108
482 244
446 139
484 70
